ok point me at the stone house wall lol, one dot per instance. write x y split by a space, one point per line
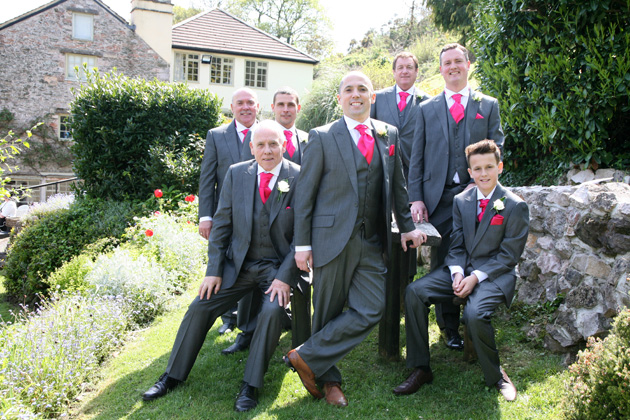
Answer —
578 246
33 52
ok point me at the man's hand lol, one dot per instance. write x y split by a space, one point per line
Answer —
304 260
419 212
280 289
416 236
209 285
204 228
465 286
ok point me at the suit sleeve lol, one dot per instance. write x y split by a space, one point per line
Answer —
512 245
399 192
306 193
495 132
416 160
208 178
221 234
288 272
457 253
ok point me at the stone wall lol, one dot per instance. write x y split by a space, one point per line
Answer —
33 81
578 246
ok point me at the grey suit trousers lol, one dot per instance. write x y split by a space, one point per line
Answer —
437 287
356 277
202 313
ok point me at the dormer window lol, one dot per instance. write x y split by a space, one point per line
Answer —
83 26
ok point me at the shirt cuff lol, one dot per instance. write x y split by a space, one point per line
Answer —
303 248
480 275
455 269
205 219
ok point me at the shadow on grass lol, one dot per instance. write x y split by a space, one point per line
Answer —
458 391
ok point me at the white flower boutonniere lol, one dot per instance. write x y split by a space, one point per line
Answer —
283 186
382 131
477 97
498 204
304 140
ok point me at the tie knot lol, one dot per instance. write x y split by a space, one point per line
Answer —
403 95
362 128
457 98
483 202
266 177
245 131
288 134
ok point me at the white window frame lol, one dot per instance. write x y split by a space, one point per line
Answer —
76 60
186 67
64 131
223 68
256 74
83 26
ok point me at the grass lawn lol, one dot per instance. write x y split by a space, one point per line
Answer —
5 307
458 391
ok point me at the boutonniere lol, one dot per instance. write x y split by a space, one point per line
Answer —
382 131
476 97
283 186
498 204
304 140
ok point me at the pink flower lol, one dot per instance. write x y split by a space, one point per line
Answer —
157 213
158 193
148 232
190 198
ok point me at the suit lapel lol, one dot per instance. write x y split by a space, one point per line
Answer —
472 107
345 144
488 214
392 103
231 138
469 219
438 106
250 180
276 204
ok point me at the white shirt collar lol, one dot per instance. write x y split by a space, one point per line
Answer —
481 196
275 171
354 133
411 91
464 92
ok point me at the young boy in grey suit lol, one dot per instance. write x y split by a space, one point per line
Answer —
490 227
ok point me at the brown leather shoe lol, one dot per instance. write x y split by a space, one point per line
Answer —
506 387
334 394
414 381
297 364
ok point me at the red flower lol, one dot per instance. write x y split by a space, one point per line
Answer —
148 232
158 193
157 213
190 198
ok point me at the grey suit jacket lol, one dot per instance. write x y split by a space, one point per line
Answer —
429 155
326 207
489 247
302 138
232 223
386 109
221 151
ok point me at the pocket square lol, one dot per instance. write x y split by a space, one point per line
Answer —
479 116
497 219
392 148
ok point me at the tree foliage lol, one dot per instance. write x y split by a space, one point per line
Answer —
562 75
302 23
183 13
133 136
454 15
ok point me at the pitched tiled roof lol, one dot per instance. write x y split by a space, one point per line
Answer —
220 32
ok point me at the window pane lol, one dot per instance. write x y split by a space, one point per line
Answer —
82 27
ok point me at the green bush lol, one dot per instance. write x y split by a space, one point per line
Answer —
599 383
132 136
561 73
48 241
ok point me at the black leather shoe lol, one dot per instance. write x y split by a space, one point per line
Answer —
236 347
247 398
161 387
226 328
452 339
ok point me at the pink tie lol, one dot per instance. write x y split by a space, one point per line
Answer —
482 205
366 143
403 100
263 188
290 147
457 110
245 133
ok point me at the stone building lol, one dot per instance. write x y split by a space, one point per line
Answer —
39 51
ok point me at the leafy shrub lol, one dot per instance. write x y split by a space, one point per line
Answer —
48 356
561 73
144 283
130 134
71 276
599 384
320 107
45 243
